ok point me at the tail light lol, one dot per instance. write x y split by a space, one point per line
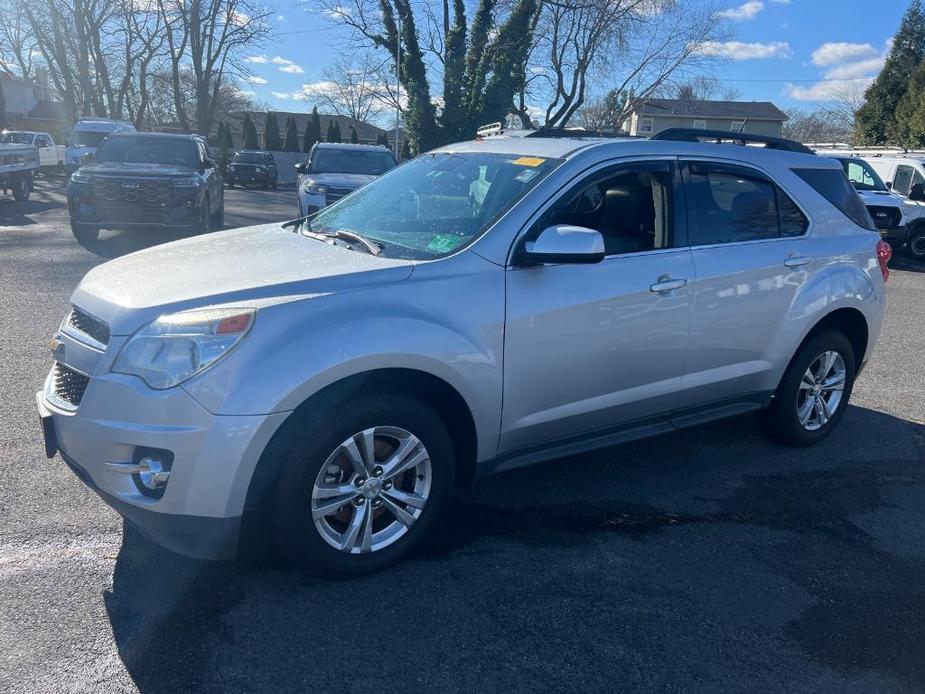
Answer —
884 253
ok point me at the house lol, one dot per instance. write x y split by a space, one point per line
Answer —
31 105
754 117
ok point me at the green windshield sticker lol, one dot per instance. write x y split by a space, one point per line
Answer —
444 243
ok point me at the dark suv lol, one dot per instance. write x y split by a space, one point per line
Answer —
252 167
147 179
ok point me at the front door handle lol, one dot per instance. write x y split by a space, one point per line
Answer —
667 284
797 261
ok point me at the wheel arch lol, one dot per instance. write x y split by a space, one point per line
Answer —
849 321
441 395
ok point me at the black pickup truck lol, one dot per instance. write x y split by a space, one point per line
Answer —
147 180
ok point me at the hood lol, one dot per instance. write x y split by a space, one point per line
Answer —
884 198
253 264
339 180
116 168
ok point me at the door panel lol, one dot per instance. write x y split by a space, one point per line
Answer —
592 346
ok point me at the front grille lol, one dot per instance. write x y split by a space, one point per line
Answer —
885 217
67 384
334 194
127 199
88 325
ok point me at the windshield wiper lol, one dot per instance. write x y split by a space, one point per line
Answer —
373 247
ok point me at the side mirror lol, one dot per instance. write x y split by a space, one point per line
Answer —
917 192
208 164
300 167
564 243
889 185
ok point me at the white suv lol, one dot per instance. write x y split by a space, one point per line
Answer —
327 382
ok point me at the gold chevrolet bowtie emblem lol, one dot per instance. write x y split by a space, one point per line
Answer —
57 347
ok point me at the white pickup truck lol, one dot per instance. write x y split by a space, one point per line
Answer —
18 163
51 155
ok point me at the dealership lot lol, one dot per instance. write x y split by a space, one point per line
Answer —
706 560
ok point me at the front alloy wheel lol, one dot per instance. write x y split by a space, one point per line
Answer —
371 489
917 244
821 390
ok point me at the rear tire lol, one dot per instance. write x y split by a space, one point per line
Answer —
812 396
84 233
917 244
22 186
315 456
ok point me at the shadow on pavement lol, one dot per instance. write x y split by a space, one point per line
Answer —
16 214
903 260
711 556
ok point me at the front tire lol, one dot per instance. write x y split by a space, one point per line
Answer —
205 218
814 392
218 218
84 233
917 244
22 186
362 483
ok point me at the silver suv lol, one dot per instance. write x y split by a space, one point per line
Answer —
487 305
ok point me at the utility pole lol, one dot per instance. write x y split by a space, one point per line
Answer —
397 84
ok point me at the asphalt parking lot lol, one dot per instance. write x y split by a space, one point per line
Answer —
708 560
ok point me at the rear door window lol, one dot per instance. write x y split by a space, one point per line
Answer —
902 181
730 204
833 185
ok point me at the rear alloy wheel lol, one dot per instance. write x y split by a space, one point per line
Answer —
362 484
814 391
917 244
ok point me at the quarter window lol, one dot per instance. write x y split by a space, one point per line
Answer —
833 185
905 178
728 205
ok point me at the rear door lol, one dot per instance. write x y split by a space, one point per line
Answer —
591 347
750 256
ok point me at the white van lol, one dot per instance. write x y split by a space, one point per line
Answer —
86 137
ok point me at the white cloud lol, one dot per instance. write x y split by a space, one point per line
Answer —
838 53
292 69
781 2
830 90
257 59
738 50
861 68
743 12
246 92
280 18
256 80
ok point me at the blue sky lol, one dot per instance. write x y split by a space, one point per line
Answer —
797 53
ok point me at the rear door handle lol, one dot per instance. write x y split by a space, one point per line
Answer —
797 261
666 284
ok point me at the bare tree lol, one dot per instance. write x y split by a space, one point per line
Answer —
701 88
17 40
352 87
644 43
816 126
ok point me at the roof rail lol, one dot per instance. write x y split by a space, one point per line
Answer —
875 151
720 136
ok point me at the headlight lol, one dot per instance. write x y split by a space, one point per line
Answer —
175 348
80 177
185 182
261 169
313 189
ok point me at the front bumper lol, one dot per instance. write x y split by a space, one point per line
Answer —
200 512
183 215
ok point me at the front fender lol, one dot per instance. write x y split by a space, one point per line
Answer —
446 324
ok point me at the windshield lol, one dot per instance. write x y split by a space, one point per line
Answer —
351 161
16 138
86 138
250 158
143 149
436 203
862 175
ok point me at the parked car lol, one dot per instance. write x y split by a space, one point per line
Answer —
487 305
252 167
87 136
334 170
51 155
904 174
885 207
18 164
147 179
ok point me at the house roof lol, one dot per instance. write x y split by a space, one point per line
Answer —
692 108
49 110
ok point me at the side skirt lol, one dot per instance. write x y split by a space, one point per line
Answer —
630 431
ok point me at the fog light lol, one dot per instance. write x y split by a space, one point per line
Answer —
150 470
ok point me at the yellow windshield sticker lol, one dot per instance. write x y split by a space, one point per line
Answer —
528 161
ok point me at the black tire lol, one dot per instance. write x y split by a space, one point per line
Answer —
85 233
205 218
917 243
781 420
275 182
308 451
266 183
22 186
231 183
218 217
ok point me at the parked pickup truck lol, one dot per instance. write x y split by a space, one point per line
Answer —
51 155
18 163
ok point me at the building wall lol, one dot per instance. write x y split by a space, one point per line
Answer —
19 96
659 123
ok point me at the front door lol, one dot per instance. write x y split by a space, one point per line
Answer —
591 347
